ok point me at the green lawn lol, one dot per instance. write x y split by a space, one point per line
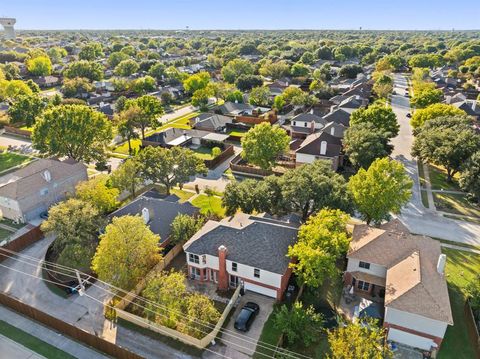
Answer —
461 268
238 133
10 159
123 148
4 234
209 204
455 203
183 195
438 179
204 153
421 174
11 223
424 195
32 343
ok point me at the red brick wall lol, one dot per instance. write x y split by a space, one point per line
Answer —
222 269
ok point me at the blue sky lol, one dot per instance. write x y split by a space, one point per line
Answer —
244 14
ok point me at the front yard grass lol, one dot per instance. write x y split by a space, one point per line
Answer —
123 148
209 204
461 267
4 233
33 343
438 179
10 159
183 196
455 203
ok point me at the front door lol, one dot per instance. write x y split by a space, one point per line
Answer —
233 281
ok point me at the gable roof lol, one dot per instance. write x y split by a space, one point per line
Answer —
311 144
413 283
166 137
162 212
309 117
254 241
339 115
212 121
31 178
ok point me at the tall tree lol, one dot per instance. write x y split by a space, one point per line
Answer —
384 188
26 108
446 141
39 66
98 192
127 251
76 131
259 96
421 116
321 241
196 82
184 227
422 99
263 144
169 166
150 109
378 114
470 176
83 68
126 122
126 68
234 68
127 176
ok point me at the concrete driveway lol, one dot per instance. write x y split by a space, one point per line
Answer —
240 345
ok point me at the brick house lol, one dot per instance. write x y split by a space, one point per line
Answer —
243 249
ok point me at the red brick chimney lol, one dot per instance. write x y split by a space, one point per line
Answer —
222 268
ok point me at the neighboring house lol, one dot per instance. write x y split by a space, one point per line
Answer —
158 213
235 109
179 137
340 116
324 145
306 123
471 108
211 122
47 81
243 249
31 190
406 272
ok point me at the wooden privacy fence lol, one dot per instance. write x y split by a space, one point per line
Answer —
68 329
472 327
21 242
185 338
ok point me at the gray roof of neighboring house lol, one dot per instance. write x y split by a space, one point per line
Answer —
338 131
162 212
170 134
31 178
311 145
234 108
211 121
259 242
308 117
340 116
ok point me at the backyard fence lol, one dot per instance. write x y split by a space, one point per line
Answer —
472 327
10 130
67 329
227 153
21 242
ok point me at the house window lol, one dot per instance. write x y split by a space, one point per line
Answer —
294 123
363 285
364 265
193 258
256 273
304 124
234 267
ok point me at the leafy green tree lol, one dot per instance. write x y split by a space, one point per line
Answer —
197 81
382 189
127 176
39 66
421 116
115 58
98 192
126 122
150 108
307 58
75 224
263 143
278 102
91 51
274 70
76 131
232 70
83 68
357 340
298 324
247 82
157 71
234 96
383 85
127 251
10 90
200 98
126 68
11 70
379 115
169 166
470 176
259 96
26 108
364 143
425 60
184 227
322 240
426 98
311 187
200 309
299 70
143 85
446 141
350 71
76 86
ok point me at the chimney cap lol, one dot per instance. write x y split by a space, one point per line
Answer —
222 248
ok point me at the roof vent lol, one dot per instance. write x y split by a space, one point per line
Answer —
47 176
145 215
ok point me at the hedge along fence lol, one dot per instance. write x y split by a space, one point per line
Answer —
128 298
184 338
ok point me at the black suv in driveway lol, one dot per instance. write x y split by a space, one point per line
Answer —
246 316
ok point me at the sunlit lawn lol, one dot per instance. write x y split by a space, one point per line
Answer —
455 203
461 268
9 160
182 195
438 179
209 204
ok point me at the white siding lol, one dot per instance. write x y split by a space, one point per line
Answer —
375 269
262 290
409 339
415 322
244 271
304 158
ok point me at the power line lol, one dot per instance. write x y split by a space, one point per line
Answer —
267 346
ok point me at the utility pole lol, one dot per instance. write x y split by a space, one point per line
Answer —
81 290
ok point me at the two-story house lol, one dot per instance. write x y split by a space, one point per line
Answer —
406 272
243 249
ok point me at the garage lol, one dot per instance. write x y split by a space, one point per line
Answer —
262 290
409 339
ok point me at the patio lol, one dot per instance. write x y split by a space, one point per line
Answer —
349 302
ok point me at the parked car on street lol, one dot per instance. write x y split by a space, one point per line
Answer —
246 316
409 115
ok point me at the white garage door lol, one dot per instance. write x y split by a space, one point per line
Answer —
262 290
409 339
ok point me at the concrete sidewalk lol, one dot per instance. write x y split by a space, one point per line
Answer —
11 349
47 335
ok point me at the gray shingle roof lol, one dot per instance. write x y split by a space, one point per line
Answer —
262 244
